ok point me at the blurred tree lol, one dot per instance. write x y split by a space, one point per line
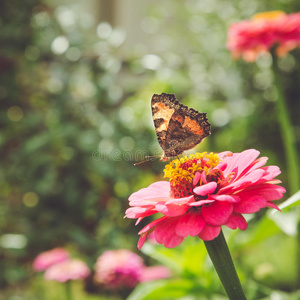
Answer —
61 96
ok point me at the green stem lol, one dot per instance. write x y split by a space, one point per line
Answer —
288 138
298 256
68 290
287 133
222 261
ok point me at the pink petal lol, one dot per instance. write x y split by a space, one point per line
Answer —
184 200
270 172
171 210
217 213
138 221
221 166
274 181
250 205
209 232
151 225
147 202
272 192
142 240
196 178
225 154
164 233
239 162
237 221
268 191
190 224
251 177
200 202
272 205
147 230
160 189
227 198
137 212
244 181
203 177
206 189
258 163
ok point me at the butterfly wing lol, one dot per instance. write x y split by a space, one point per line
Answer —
178 127
186 130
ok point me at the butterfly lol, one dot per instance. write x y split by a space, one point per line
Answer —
178 128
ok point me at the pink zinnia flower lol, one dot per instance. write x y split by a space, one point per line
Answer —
74 269
48 258
205 192
249 38
119 269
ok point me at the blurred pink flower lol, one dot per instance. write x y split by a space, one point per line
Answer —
74 269
249 38
205 192
119 269
154 273
48 258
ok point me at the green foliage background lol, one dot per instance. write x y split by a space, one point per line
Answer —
73 123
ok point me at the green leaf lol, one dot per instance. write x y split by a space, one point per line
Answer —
286 221
292 201
163 255
262 230
166 289
36 142
187 259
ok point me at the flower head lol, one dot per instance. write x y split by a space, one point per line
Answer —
73 269
205 191
249 38
48 258
118 269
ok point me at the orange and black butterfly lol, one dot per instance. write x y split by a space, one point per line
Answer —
178 128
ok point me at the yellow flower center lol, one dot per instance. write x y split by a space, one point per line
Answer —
181 172
269 15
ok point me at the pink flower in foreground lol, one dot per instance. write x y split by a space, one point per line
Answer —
48 258
205 192
74 269
249 38
118 269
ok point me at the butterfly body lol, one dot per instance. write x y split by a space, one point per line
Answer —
178 128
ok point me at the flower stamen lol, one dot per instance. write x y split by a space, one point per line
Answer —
185 173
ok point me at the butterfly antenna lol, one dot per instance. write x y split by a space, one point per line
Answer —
147 158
